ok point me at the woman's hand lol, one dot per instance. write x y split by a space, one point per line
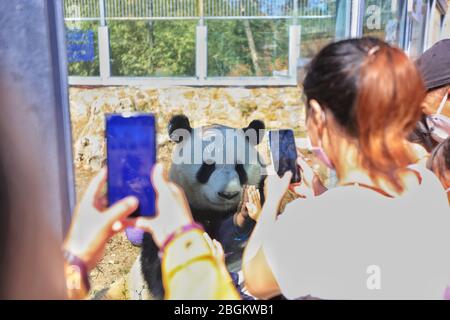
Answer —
275 188
216 248
172 209
93 223
250 207
253 204
310 184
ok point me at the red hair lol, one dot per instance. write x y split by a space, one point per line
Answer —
387 108
374 92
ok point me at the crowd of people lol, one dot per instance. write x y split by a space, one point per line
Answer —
380 121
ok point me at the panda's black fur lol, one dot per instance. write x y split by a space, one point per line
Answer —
210 216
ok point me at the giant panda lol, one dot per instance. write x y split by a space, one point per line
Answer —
213 187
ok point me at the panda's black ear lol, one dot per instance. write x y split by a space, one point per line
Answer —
256 134
178 125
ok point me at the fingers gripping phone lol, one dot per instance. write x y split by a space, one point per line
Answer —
284 153
131 154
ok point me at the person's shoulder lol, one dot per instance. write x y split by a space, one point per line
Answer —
430 187
338 199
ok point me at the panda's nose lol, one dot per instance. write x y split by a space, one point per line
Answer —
228 195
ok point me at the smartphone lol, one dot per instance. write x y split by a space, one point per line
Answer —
131 154
284 153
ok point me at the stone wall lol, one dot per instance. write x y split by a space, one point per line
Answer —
235 107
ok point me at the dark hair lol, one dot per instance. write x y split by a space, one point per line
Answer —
442 153
374 92
421 135
446 152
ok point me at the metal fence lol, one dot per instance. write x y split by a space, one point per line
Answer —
156 9
321 12
142 9
81 10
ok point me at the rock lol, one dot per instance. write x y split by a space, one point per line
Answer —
278 107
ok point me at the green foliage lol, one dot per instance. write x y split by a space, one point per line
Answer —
229 52
235 47
152 48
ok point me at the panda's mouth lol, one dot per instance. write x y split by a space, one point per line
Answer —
228 195
225 201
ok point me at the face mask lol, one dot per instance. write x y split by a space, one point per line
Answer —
322 156
320 153
438 124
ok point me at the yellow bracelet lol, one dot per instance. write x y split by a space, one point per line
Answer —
204 257
183 248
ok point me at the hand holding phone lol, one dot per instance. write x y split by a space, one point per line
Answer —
284 153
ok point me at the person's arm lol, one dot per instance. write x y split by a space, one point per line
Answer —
190 268
235 230
310 184
232 235
259 279
92 225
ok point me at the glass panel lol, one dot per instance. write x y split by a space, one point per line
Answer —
152 48
418 19
384 19
318 21
82 48
343 19
248 47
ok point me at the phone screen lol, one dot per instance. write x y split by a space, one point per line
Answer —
131 154
284 153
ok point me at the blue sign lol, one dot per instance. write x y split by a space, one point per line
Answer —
80 45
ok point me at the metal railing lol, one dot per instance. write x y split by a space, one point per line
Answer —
156 9
249 8
143 9
104 11
75 10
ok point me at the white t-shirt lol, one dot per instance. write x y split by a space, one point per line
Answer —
354 243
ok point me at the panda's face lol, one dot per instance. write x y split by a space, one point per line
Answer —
220 185
212 164
229 162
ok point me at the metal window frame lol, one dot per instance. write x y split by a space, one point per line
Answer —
408 29
356 18
437 7
201 78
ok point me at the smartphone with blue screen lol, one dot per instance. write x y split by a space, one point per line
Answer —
284 153
131 154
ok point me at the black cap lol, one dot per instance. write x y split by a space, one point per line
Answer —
434 65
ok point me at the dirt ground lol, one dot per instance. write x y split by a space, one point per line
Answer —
120 254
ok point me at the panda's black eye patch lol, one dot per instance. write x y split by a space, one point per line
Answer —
241 173
205 172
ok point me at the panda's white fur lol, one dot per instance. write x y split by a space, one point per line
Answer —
212 200
206 197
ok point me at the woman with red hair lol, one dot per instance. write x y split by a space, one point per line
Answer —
382 233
